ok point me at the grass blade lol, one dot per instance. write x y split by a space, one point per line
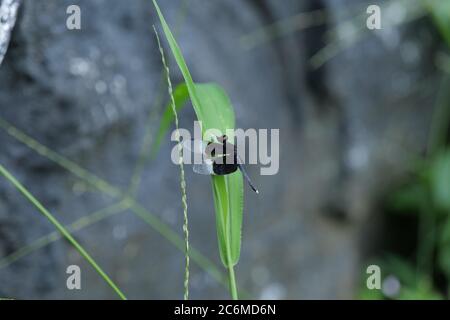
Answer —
181 63
5 173
75 226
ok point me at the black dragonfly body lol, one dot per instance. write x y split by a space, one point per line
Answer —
218 158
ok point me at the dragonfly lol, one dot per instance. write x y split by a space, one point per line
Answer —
217 158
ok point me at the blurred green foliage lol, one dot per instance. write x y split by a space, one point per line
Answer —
440 12
413 285
426 197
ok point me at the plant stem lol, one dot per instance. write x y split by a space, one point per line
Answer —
147 142
232 280
5 173
182 178
79 224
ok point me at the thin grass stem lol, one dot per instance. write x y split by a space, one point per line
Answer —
6 174
144 154
182 178
54 236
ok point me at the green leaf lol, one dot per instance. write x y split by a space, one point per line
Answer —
228 200
219 113
213 96
213 108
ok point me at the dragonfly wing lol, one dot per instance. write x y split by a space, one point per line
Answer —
195 146
204 168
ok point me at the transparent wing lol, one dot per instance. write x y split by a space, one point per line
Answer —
198 147
204 168
195 146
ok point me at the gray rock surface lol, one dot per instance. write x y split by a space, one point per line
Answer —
8 16
92 94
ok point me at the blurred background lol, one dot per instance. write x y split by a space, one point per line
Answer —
364 161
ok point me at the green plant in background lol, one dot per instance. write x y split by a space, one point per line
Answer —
213 108
413 285
426 195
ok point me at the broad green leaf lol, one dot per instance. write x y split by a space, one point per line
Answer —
236 200
213 108
219 113
213 96
228 200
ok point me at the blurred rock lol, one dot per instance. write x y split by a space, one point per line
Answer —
8 16
346 129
